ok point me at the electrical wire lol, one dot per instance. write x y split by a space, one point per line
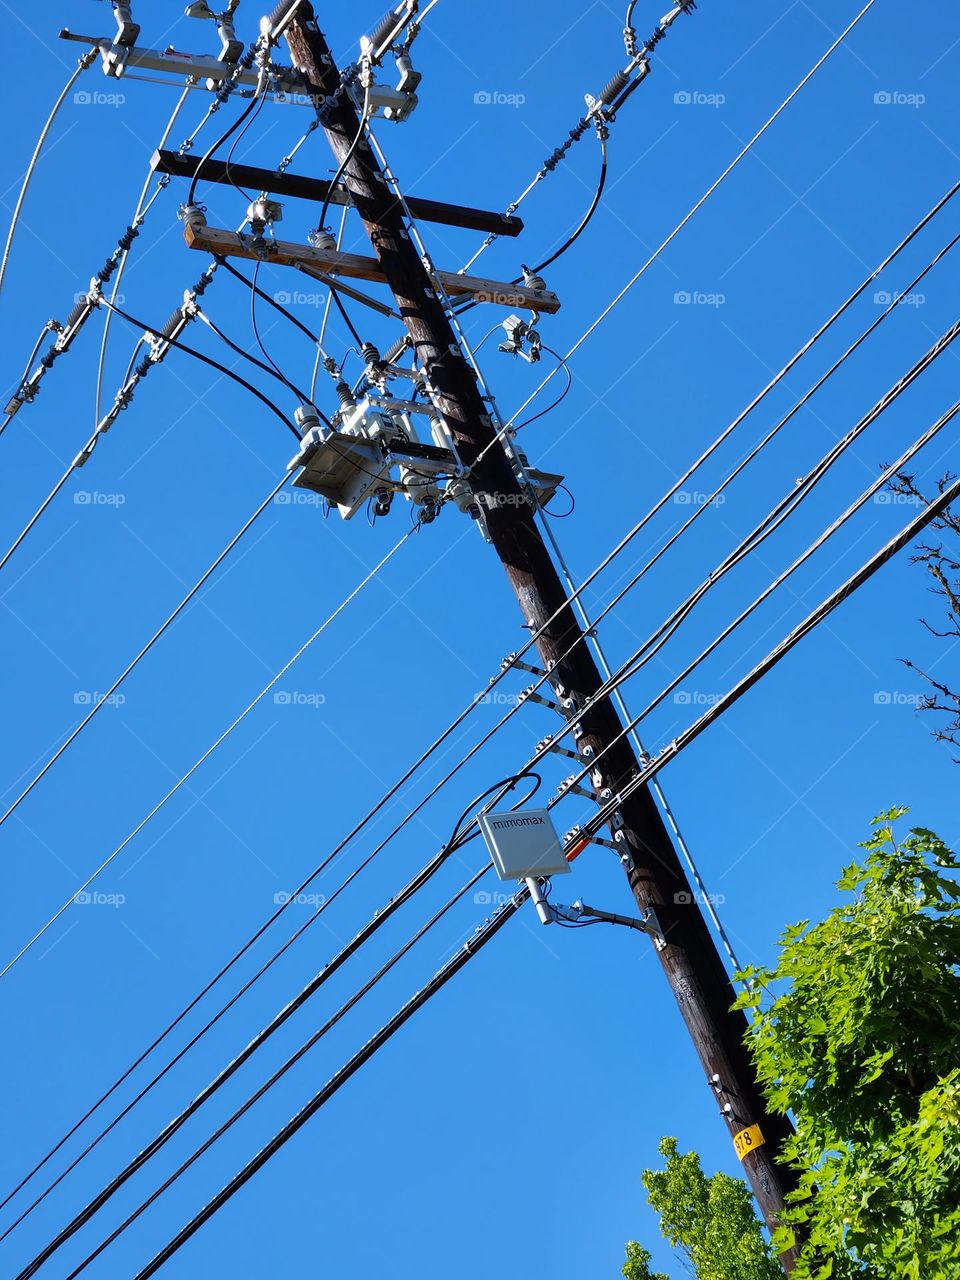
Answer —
561 363
459 720
238 350
83 62
380 917
321 354
585 220
301 395
209 752
52 326
214 364
252 105
468 710
249 284
657 506
281 1071
718 182
236 142
448 970
906 535
131 666
137 219
884 478
347 157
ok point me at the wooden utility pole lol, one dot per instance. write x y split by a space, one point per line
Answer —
690 959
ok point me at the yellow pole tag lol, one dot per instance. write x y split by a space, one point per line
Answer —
748 1140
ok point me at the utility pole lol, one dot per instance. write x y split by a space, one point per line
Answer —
690 958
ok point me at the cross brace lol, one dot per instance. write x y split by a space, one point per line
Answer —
330 262
296 186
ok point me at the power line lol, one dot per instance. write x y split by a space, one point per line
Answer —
457 961
285 1067
162 182
209 752
908 534
574 596
492 926
380 917
135 662
718 182
602 111
85 60
468 710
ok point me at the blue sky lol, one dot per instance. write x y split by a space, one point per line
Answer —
508 1125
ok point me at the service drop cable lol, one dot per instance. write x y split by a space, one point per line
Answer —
209 752
87 59
692 212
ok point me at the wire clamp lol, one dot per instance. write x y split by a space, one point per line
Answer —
570 786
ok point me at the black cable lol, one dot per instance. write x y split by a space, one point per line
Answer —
347 157
248 283
301 396
283 1069
260 100
566 514
214 364
237 349
422 877
585 220
561 397
244 114
334 293
443 975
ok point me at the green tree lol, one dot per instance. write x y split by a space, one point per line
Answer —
856 1033
710 1220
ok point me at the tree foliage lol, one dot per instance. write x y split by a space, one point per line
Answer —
856 1033
710 1220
